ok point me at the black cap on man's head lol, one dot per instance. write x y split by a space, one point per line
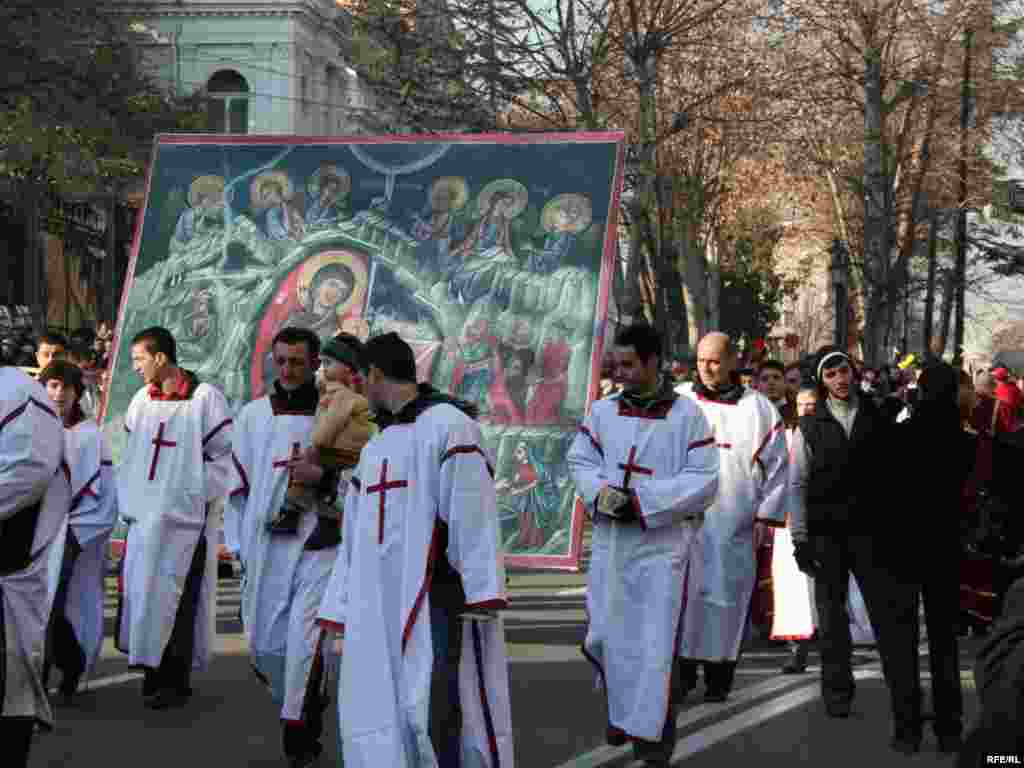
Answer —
392 356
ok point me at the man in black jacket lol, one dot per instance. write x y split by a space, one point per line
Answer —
838 472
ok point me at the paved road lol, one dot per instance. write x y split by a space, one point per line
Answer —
557 711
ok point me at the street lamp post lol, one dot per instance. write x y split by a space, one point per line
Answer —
840 290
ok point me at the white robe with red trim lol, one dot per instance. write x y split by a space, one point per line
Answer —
722 572
92 517
284 583
635 584
31 472
411 479
164 493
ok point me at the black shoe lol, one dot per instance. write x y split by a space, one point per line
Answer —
950 742
327 534
796 664
284 524
906 745
838 709
69 685
168 698
687 675
150 684
310 757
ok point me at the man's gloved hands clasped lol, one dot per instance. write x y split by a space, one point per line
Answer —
805 558
616 503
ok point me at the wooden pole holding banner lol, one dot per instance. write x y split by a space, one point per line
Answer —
108 312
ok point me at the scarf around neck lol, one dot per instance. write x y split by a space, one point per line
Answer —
664 393
731 395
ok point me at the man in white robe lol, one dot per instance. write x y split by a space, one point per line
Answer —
418 583
753 459
285 573
175 462
76 624
646 467
34 497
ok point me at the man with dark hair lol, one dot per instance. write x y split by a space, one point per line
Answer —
748 377
286 566
645 464
644 339
49 346
156 340
840 471
175 463
76 624
794 378
750 439
83 358
772 384
420 535
34 499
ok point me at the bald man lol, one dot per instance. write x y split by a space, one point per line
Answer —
750 438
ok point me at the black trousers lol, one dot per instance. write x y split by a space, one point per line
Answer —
939 589
303 738
892 610
718 675
175 670
447 600
16 738
62 647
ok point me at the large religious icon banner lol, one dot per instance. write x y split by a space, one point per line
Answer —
491 255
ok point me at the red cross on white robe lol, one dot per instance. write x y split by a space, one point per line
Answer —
630 467
160 443
382 487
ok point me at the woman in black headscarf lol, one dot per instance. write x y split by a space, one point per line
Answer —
939 456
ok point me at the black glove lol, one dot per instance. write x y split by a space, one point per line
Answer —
625 512
805 559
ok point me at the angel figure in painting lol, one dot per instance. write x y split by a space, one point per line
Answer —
436 228
563 218
489 242
274 193
534 497
205 213
328 189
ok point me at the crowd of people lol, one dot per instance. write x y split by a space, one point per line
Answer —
362 507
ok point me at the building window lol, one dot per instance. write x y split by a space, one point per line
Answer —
228 102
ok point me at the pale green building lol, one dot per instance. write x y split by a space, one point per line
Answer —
268 66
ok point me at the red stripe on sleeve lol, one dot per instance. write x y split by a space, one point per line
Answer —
593 440
13 415
764 443
243 489
43 407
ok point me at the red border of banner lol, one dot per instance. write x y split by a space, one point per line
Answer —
570 561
